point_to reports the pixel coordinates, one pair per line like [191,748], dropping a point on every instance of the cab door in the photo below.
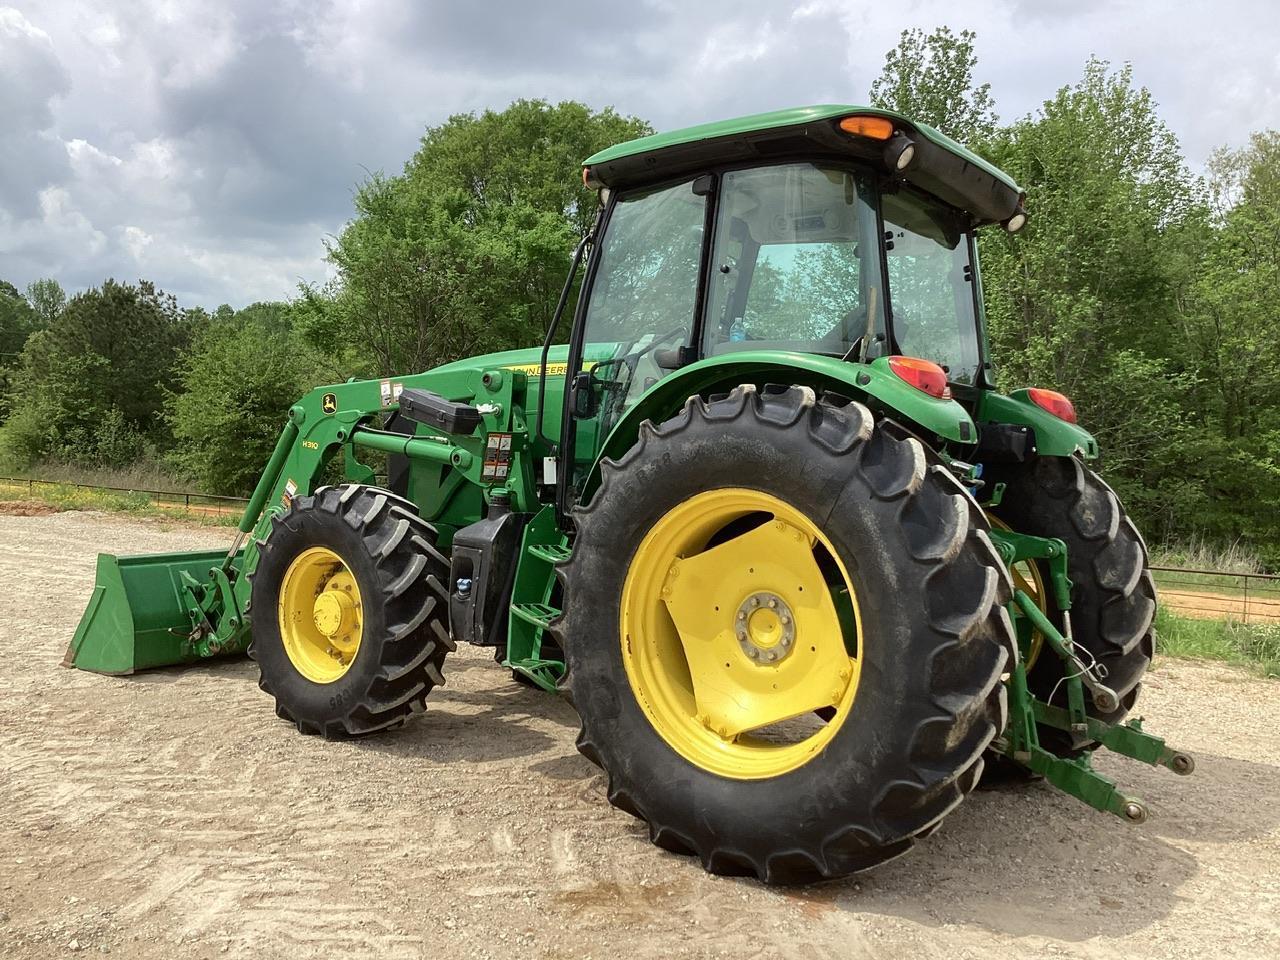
[636,324]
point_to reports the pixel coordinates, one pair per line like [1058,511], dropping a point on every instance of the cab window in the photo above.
[795,263]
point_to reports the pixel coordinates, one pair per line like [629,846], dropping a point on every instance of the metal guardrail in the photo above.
[191,502]
[1213,594]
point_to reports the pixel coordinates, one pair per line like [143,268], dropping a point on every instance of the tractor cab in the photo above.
[840,232]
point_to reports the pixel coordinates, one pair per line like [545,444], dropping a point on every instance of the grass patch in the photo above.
[65,497]
[1200,555]
[1255,645]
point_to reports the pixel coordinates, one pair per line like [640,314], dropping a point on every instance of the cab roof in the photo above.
[942,167]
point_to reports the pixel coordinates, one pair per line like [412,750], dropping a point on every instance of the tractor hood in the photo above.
[940,167]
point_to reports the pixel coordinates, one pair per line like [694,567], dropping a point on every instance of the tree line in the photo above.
[1143,290]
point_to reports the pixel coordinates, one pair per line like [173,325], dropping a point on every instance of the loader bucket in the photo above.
[138,614]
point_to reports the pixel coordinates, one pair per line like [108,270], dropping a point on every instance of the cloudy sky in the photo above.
[212,145]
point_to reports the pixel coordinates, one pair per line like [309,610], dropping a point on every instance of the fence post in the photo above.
[1245,578]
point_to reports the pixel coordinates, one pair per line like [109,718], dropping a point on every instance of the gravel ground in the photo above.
[171,815]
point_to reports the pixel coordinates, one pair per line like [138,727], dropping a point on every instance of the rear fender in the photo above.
[873,383]
[1054,437]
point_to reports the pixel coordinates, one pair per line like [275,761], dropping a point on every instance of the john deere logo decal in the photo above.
[329,403]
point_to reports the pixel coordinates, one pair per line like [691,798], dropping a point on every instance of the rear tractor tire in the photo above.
[348,611]
[785,634]
[1113,595]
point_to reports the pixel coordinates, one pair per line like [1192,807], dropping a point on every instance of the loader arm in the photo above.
[149,611]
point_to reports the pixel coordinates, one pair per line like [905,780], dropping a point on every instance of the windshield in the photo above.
[788,265]
[931,284]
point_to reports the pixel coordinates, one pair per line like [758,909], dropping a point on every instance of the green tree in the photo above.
[17,322]
[467,249]
[1231,329]
[929,77]
[91,385]
[47,299]
[1086,299]
[235,385]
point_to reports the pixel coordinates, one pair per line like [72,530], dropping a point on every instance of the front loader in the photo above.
[765,518]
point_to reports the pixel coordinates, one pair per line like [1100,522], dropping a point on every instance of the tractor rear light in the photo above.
[1053,402]
[875,128]
[923,375]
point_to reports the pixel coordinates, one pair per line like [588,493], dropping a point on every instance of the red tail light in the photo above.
[923,375]
[1054,402]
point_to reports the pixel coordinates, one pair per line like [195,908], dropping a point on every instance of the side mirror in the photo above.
[674,359]
[582,396]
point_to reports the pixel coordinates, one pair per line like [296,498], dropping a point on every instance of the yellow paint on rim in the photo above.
[1027,578]
[730,627]
[321,615]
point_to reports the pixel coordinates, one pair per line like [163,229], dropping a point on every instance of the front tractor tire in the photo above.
[349,611]
[785,635]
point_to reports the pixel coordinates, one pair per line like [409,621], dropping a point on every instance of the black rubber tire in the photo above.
[1113,595]
[391,552]
[931,589]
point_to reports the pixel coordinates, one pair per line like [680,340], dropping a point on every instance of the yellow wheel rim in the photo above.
[740,634]
[321,616]
[1027,578]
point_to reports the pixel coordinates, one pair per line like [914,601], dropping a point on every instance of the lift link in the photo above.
[1021,741]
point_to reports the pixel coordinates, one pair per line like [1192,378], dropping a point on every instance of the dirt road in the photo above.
[1212,606]
[170,815]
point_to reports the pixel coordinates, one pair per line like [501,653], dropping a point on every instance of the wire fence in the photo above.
[1215,595]
[202,503]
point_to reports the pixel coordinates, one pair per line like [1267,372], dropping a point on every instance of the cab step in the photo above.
[550,552]
[538,614]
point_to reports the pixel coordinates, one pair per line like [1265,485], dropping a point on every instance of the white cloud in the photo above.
[136,241]
[212,146]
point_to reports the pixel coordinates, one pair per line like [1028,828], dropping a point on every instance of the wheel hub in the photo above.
[333,613]
[731,630]
[320,615]
[766,628]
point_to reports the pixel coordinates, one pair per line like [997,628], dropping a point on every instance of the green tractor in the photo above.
[764,519]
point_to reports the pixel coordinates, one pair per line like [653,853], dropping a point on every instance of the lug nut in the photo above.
[773,604]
